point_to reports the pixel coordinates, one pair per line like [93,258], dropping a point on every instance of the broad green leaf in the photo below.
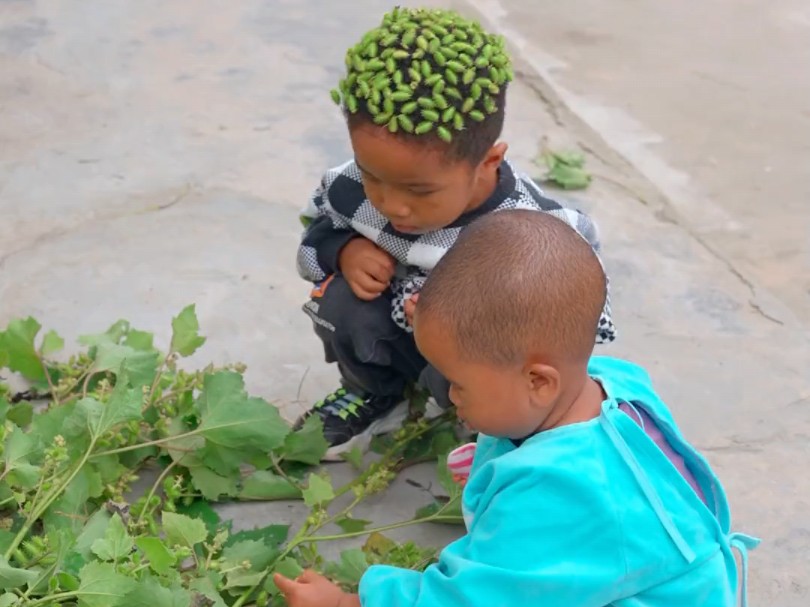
[116,543]
[139,340]
[264,485]
[18,450]
[570,178]
[306,445]
[318,491]
[183,530]
[93,530]
[379,545]
[211,484]
[233,421]
[123,406]
[289,568]
[70,510]
[202,510]
[51,343]
[6,539]
[18,342]
[185,332]
[55,422]
[259,554]
[352,525]
[11,577]
[112,335]
[206,587]
[149,593]
[139,366]
[574,159]
[100,585]
[272,535]
[160,559]
[4,405]
[67,582]
[354,457]
[8,599]
[242,578]
[350,569]
[21,414]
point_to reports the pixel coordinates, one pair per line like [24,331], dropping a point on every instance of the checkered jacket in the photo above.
[339,210]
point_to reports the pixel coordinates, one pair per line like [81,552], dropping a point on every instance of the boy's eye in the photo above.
[422,192]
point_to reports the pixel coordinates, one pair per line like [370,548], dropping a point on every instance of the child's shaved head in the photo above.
[518,283]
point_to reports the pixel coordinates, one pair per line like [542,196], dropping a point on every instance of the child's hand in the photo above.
[367,268]
[410,307]
[313,590]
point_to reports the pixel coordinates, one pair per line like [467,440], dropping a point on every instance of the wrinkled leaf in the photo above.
[8,599]
[18,449]
[306,445]
[149,593]
[265,485]
[18,342]
[11,577]
[70,510]
[112,335]
[185,332]
[116,543]
[100,585]
[570,178]
[318,491]
[160,559]
[183,530]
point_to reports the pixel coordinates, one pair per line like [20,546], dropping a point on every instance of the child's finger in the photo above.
[309,576]
[286,585]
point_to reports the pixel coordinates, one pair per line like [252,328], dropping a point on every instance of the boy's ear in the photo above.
[494,156]
[544,384]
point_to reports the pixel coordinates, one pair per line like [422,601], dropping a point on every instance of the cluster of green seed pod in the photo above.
[425,70]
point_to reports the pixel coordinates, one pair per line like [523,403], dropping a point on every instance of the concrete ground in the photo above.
[154,154]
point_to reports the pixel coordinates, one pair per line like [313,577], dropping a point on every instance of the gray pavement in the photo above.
[154,154]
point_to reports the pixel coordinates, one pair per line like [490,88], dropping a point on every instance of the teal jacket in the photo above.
[586,515]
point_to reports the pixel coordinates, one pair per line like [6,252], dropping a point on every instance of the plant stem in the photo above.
[38,511]
[54,395]
[154,488]
[158,377]
[58,598]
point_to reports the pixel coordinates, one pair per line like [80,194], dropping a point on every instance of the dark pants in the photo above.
[374,355]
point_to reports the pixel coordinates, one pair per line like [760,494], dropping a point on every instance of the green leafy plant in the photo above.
[565,169]
[73,444]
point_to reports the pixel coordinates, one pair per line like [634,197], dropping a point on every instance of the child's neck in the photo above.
[584,404]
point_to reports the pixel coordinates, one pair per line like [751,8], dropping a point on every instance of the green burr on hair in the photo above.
[425,71]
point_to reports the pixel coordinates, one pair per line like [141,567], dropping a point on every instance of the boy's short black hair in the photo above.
[518,283]
[429,75]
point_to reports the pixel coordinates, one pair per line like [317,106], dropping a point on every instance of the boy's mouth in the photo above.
[405,229]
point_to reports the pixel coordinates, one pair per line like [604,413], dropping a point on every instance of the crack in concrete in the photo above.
[64,230]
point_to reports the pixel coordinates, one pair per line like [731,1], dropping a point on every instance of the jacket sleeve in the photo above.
[325,234]
[561,550]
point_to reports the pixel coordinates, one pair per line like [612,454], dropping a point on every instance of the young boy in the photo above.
[583,492]
[424,99]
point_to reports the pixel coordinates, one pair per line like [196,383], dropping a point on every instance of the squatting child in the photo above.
[424,99]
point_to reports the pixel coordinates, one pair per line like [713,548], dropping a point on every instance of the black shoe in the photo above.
[351,421]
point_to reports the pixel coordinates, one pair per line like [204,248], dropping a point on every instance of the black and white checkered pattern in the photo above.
[339,209]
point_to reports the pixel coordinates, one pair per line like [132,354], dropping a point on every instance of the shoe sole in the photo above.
[393,420]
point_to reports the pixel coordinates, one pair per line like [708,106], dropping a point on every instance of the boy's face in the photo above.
[414,186]
[496,400]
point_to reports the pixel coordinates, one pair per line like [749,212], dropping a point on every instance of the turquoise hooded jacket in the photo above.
[586,515]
